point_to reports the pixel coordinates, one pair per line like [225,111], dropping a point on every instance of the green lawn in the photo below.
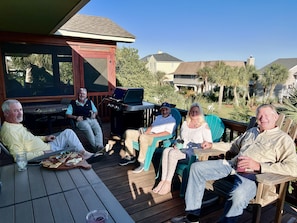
[226,111]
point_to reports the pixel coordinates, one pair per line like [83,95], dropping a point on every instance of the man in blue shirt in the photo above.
[163,125]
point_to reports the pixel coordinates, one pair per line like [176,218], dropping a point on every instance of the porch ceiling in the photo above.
[37,16]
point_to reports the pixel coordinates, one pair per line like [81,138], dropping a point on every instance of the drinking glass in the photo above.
[21,160]
[97,216]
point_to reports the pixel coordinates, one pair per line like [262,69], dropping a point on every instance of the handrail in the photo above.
[232,128]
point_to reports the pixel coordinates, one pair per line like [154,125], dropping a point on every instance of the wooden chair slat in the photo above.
[280,120]
[287,125]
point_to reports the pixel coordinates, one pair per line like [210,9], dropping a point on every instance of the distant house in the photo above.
[162,62]
[282,90]
[186,74]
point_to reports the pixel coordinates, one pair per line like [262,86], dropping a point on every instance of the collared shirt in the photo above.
[273,149]
[17,138]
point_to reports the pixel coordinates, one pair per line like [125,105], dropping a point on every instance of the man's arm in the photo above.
[148,131]
[287,159]
[69,113]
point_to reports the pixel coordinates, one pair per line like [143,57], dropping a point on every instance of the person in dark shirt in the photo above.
[84,112]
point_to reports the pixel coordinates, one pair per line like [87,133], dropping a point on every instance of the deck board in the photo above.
[134,192]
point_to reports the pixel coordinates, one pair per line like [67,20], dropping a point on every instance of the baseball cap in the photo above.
[165,105]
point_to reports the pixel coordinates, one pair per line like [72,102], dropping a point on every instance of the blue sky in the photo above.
[196,30]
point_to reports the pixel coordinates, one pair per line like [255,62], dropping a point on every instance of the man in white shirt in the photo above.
[163,125]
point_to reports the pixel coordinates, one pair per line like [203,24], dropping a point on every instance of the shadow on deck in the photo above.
[134,192]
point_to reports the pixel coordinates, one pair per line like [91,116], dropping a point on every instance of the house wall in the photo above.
[167,67]
[163,66]
[188,81]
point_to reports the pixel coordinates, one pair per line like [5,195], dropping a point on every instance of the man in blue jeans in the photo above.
[262,149]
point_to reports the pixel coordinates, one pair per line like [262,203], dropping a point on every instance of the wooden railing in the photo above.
[232,128]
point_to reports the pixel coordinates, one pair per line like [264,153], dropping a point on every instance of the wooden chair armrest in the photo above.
[273,179]
[204,154]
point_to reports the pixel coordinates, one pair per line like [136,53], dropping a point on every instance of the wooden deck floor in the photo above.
[134,192]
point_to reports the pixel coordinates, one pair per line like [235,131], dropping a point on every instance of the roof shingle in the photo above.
[193,67]
[95,25]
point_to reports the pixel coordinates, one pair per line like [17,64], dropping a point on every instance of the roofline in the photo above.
[70,14]
[61,32]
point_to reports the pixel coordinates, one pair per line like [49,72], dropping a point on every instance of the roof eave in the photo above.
[94,36]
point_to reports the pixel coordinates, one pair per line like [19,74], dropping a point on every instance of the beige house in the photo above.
[186,73]
[162,62]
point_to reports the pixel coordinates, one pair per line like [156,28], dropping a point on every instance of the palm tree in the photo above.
[290,105]
[204,73]
[235,75]
[273,75]
[221,75]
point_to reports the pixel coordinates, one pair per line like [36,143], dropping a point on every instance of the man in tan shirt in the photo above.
[262,149]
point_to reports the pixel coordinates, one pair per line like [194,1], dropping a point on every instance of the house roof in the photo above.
[288,63]
[193,67]
[36,16]
[94,27]
[162,57]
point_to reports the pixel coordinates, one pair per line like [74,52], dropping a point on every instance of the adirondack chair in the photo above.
[264,180]
[217,129]
[5,156]
[155,144]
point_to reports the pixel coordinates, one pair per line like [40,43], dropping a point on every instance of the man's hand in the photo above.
[93,115]
[244,162]
[206,145]
[50,138]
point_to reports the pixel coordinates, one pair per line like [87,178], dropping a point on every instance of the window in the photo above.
[37,70]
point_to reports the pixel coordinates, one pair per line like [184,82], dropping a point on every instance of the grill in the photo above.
[127,109]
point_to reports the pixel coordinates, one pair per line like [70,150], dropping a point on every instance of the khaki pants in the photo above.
[144,140]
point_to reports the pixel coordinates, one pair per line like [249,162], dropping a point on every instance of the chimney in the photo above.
[160,52]
[250,61]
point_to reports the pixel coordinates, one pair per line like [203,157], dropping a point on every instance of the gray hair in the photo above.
[6,104]
[83,89]
[272,107]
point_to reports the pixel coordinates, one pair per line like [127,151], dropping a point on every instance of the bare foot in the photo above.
[158,187]
[166,188]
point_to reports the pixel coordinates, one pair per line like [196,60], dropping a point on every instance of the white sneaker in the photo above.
[139,169]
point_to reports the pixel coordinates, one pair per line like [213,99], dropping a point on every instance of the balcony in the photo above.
[134,191]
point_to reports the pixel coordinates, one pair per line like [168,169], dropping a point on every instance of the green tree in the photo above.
[204,72]
[160,77]
[221,76]
[273,75]
[290,105]
[131,71]
[240,77]
[252,76]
